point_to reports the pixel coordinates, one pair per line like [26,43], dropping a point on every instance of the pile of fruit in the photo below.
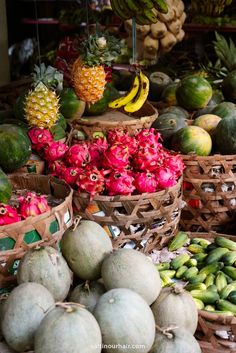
[115,301]
[208,7]
[117,164]
[209,268]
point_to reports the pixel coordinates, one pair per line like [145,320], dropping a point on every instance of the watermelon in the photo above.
[176,110]
[225,135]
[193,92]
[70,106]
[5,188]
[229,86]
[169,94]
[208,122]
[158,82]
[225,109]
[192,140]
[203,111]
[15,148]
[167,124]
[217,97]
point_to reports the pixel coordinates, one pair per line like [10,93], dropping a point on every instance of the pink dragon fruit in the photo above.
[8,215]
[54,151]
[119,183]
[91,181]
[146,159]
[77,155]
[39,137]
[96,149]
[116,157]
[70,175]
[149,137]
[122,137]
[145,182]
[165,177]
[175,163]
[32,205]
[56,168]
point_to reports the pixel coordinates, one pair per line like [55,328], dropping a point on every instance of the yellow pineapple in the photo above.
[41,103]
[88,74]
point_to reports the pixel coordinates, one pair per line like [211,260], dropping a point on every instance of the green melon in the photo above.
[203,111]
[176,110]
[224,109]
[193,92]
[47,267]
[5,188]
[217,97]
[68,328]
[126,268]
[169,94]
[70,106]
[167,124]
[15,148]
[229,86]
[208,122]
[175,306]
[125,320]
[225,135]
[192,140]
[87,294]
[158,82]
[24,310]
[85,249]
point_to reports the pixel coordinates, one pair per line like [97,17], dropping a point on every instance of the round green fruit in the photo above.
[15,148]
[158,82]
[70,106]
[169,94]
[176,110]
[167,124]
[225,135]
[193,92]
[5,188]
[224,109]
[208,122]
[192,140]
[203,111]
[229,86]
[217,97]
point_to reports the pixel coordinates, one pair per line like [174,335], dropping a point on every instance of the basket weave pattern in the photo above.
[213,182]
[38,227]
[155,216]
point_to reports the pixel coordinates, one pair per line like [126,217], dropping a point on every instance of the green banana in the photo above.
[124,15]
[161,6]
[148,4]
[150,15]
[132,6]
[141,96]
[119,102]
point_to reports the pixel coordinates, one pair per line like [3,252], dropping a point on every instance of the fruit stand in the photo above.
[118,188]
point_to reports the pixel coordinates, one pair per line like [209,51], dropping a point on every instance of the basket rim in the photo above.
[116,198]
[214,157]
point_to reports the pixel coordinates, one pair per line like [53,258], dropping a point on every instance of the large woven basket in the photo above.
[141,221]
[212,181]
[115,119]
[45,229]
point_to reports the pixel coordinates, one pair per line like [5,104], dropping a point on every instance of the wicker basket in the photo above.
[45,229]
[114,119]
[138,221]
[212,181]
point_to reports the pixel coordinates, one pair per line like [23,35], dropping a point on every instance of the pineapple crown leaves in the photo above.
[226,52]
[49,76]
[100,49]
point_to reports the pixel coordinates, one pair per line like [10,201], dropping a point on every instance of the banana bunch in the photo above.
[209,7]
[143,10]
[135,98]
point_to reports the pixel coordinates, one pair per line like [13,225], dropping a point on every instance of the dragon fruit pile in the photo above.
[30,204]
[116,165]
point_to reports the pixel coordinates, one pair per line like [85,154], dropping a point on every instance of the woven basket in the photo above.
[115,119]
[140,220]
[213,182]
[46,229]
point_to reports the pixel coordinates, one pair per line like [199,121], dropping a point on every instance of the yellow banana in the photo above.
[119,102]
[141,96]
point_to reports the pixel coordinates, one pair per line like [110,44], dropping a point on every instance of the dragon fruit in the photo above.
[145,182]
[91,181]
[8,214]
[122,137]
[70,175]
[96,149]
[39,137]
[57,167]
[77,155]
[146,159]
[54,151]
[175,163]
[116,157]
[32,205]
[165,177]
[149,137]
[120,183]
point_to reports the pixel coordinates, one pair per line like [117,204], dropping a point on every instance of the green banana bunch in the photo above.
[142,10]
[210,7]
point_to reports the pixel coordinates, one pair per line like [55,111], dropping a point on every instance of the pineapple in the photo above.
[42,104]
[88,73]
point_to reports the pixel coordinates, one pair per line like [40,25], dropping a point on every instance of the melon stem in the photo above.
[166,331]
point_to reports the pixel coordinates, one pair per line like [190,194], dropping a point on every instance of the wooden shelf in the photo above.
[197,27]
[40,21]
